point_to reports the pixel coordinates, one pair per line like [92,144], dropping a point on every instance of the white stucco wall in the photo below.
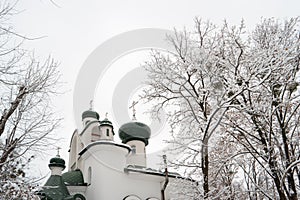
[107,160]
[109,181]
[104,136]
[139,157]
[86,133]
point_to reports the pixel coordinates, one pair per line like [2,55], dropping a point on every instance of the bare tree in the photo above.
[26,117]
[224,85]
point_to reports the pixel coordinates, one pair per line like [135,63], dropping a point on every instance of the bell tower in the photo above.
[106,129]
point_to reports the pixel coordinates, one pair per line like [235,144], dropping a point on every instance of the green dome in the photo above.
[106,122]
[90,113]
[134,131]
[57,162]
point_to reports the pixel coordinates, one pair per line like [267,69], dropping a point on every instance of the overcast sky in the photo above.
[74,28]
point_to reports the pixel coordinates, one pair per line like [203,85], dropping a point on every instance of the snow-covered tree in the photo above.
[15,184]
[195,82]
[26,116]
[267,116]
[232,97]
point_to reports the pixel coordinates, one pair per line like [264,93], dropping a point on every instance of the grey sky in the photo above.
[75,28]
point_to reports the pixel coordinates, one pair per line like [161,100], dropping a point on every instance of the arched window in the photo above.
[133,149]
[89,176]
[107,132]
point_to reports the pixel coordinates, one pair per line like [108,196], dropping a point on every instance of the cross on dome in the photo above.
[91,105]
[133,110]
[58,148]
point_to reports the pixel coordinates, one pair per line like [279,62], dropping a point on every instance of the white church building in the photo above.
[102,169]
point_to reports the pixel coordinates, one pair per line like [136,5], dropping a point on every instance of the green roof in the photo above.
[73,178]
[55,189]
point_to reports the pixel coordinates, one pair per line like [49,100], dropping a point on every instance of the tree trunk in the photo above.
[276,179]
[8,150]
[204,163]
[291,182]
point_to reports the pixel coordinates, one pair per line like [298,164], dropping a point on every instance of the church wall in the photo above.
[108,179]
[73,151]
[86,136]
[111,183]
[137,156]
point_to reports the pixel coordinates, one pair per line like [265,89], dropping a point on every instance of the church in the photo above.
[100,168]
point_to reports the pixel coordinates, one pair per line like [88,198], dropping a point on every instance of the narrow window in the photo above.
[89,175]
[107,132]
[133,148]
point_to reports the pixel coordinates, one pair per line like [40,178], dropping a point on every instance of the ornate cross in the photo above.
[133,109]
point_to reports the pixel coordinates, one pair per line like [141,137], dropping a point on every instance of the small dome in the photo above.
[134,131]
[90,113]
[106,122]
[57,162]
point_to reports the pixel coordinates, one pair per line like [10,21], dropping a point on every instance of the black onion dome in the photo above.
[57,162]
[134,131]
[90,113]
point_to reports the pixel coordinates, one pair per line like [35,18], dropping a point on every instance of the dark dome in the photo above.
[106,122]
[57,162]
[90,113]
[134,131]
